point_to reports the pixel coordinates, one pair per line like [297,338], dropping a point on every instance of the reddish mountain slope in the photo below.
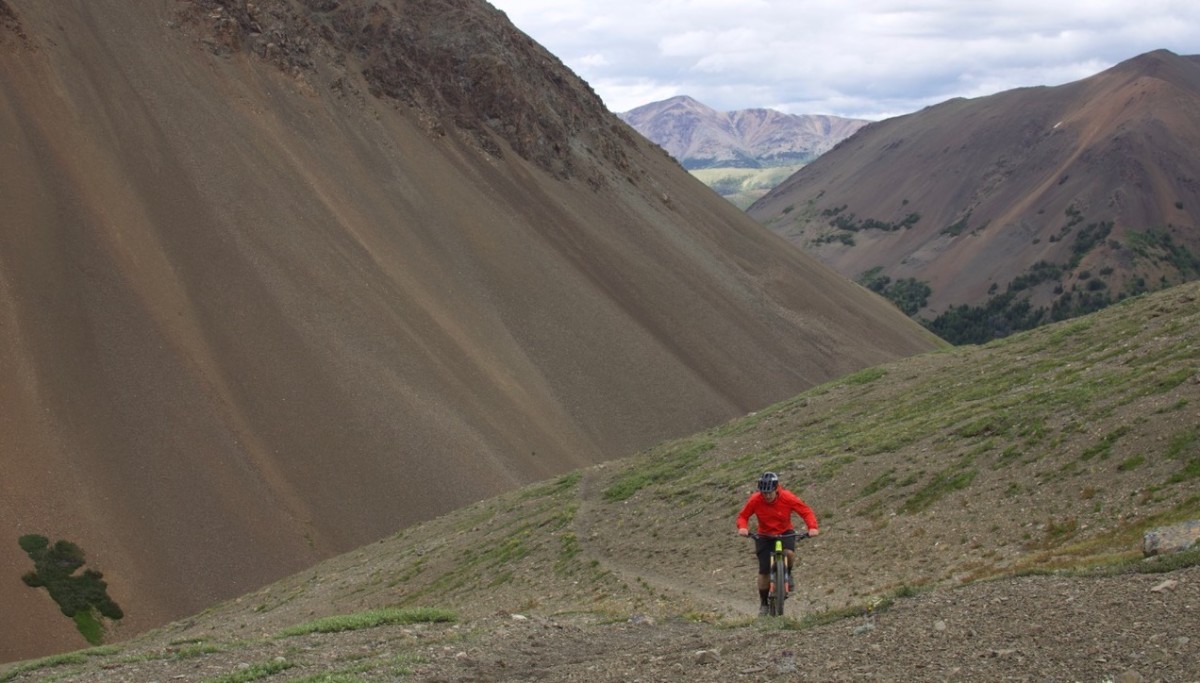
[277,279]
[1097,180]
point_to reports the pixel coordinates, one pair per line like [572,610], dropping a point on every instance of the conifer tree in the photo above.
[83,598]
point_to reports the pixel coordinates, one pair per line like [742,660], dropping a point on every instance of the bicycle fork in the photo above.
[780,556]
[779,580]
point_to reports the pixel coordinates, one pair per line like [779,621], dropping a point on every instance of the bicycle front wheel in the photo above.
[780,580]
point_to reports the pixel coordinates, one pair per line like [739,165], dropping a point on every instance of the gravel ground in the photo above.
[1127,628]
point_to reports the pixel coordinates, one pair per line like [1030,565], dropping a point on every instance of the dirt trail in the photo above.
[656,575]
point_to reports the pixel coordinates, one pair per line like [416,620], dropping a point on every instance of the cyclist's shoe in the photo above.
[789,585]
[763,610]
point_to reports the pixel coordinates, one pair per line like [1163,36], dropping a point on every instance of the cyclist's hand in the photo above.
[743,532]
[814,532]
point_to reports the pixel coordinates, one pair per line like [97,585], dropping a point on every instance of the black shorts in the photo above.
[764,546]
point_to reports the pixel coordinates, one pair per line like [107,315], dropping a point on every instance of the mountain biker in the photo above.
[773,505]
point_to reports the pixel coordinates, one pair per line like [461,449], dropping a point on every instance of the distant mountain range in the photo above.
[999,213]
[740,154]
[699,136]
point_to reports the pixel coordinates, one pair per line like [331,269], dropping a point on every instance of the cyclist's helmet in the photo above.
[768,482]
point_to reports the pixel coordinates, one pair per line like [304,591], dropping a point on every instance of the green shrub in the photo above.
[82,598]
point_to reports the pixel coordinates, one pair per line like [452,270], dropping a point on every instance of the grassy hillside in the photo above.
[743,186]
[1047,451]
[1058,447]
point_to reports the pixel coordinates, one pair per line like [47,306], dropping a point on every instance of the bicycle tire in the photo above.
[780,586]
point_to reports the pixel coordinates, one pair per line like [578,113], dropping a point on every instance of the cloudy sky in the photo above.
[857,58]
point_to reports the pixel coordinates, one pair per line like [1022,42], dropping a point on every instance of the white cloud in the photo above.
[594,61]
[868,58]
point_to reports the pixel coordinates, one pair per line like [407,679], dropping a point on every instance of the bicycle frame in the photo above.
[779,573]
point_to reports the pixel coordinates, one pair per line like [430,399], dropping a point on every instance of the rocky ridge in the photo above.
[485,76]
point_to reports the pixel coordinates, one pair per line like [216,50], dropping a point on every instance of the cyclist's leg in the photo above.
[763,548]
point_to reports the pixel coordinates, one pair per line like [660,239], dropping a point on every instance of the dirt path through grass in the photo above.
[670,577]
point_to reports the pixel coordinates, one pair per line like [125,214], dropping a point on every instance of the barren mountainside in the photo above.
[701,137]
[1042,201]
[280,278]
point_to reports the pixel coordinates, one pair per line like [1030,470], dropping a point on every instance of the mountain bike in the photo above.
[779,588]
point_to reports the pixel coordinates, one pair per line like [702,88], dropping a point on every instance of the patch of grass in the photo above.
[88,624]
[1056,532]
[701,617]
[829,469]
[568,551]
[1173,379]
[1104,447]
[1007,457]
[1178,405]
[397,666]
[1069,331]
[1166,563]
[1185,446]
[1181,443]
[984,425]
[664,468]
[1131,463]
[417,567]
[334,677]
[254,672]
[946,482]
[500,579]
[881,482]
[565,483]
[60,660]
[371,619]
[864,376]
[508,550]
[1189,472]
[879,604]
[195,649]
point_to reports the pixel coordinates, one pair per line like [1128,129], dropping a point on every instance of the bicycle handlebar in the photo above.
[794,534]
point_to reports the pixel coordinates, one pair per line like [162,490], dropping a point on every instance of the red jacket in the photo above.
[775,518]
